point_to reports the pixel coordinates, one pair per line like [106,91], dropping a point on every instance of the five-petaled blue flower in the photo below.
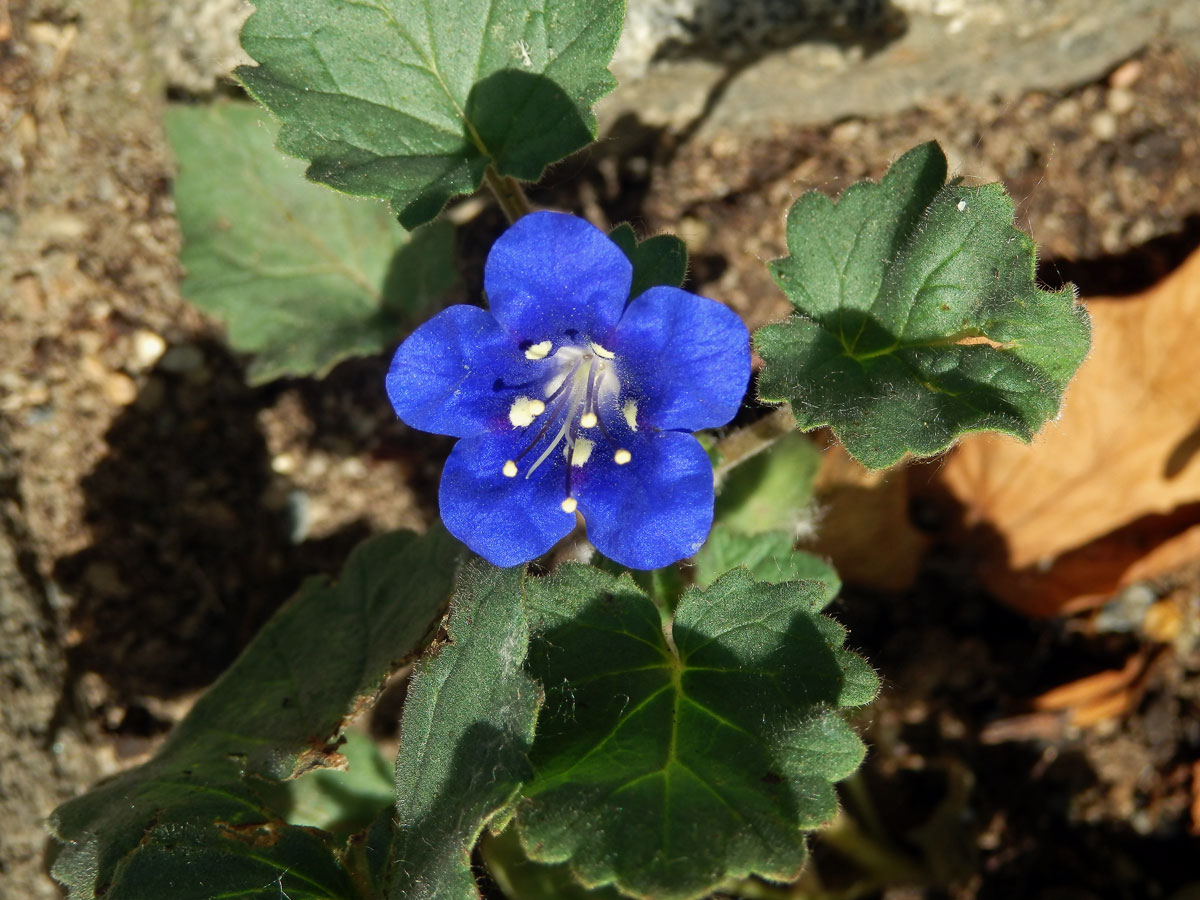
[566,396]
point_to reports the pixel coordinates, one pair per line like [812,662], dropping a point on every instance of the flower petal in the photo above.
[653,510]
[686,358]
[457,374]
[553,277]
[507,521]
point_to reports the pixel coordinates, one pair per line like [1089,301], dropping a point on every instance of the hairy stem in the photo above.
[740,445]
[508,193]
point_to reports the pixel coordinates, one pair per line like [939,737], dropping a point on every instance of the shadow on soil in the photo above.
[192,543]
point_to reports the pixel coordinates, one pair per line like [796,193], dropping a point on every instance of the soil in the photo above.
[167,508]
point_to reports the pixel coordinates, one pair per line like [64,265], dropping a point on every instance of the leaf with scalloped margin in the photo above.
[917,316]
[411,101]
[664,768]
[191,824]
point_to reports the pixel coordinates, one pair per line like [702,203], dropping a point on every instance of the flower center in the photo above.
[580,394]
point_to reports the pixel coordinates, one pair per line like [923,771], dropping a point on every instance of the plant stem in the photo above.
[882,862]
[740,445]
[508,193]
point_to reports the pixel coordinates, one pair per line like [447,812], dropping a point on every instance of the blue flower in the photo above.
[567,396]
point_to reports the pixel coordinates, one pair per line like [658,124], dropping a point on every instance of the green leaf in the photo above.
[772,490]
[658,260]
[673,755]
[520,877]
[190,823]
[341,801]
[468,723]
[303,277]
[769,556]
[918,318]
[412,100]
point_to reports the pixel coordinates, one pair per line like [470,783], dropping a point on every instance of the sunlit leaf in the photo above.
[917,316]
[412,100]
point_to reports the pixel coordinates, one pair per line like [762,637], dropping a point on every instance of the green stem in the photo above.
[740,445]
[881,862]
[508,193]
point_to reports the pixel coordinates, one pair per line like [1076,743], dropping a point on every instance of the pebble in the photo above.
[1104,126]
[1120,101]
[148,348]
[1126,74]
[284,464]
[119,388]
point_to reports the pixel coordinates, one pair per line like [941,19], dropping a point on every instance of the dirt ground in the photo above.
[167,508]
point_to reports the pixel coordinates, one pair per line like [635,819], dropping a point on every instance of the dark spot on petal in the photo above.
[772,778]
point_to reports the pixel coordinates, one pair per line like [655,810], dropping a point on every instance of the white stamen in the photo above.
[588,420]
[538,351]
[524,410]
[510,469]
[630,411]
[569,505]
[601,352]
[582,451]
[622,456]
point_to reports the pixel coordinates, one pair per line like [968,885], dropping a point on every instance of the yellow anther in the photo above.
[622,456]
[569,505]
[524,410]
[510,469]
[538,351]
[588,420]
[601,352]
[630,412]
[582,451]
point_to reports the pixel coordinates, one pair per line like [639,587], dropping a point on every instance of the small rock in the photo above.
[119,388]
[845,133]
[1126,74]
[284,464]
[1120,101]
[148,348]
[1104,126]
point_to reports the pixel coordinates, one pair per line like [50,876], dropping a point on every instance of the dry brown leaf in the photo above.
[1110,492]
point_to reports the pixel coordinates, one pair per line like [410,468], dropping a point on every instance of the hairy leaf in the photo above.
[190,823]
[340,801]
[303,277]
[467,725]
[917,316]
[412,100]
[769,555]
[673,754]
[657,260]
[770,491]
